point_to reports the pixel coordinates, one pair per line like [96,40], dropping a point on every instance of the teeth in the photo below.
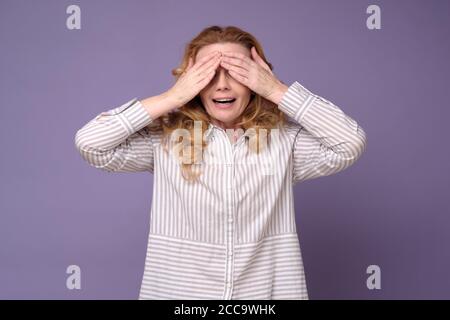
[224,100]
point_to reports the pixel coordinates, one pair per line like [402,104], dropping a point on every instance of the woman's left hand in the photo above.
[254,74]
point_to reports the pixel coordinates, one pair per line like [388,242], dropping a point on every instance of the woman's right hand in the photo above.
[195,78]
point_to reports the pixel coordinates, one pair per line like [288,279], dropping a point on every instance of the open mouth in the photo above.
[224,103]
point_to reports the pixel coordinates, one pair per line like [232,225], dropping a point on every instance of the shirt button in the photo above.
[230,253]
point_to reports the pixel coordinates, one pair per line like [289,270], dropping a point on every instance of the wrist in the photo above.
[279,93]
[158,105]
[172,100]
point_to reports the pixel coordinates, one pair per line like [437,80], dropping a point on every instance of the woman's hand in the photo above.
[254,74]
[194,78]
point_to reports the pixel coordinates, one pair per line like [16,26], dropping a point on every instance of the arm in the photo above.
[328,140]
[118,140]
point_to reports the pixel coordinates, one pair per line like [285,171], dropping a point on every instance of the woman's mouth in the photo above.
[224,103]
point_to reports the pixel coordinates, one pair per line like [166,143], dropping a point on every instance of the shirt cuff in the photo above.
[296,101]
[132,115]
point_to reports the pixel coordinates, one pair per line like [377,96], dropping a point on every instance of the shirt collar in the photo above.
[209,133]
[209,130]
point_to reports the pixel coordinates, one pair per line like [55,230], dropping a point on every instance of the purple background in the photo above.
[390,208]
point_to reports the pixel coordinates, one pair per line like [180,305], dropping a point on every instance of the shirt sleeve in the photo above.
[328,140]
[117,140]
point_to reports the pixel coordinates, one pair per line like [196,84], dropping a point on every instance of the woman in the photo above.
[222,217]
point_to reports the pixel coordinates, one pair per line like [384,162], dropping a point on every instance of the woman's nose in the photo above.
[221,72]
[220,68]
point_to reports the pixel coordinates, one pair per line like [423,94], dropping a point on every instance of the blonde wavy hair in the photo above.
[259,114]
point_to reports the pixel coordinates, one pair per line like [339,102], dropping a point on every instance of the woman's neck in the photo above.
[224,125]
[235,132]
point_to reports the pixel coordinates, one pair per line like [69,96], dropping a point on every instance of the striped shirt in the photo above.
[232,234]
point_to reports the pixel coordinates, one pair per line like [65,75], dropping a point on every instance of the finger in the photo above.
[205,59]
[237,62]
[235,71]
[207,79]
[206,66]
[212,64]
[235,68]
[260,60]
[239,77]
[238,59]
[208,71]
[256,56]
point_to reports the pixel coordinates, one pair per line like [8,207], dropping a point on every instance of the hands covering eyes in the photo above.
[253,73]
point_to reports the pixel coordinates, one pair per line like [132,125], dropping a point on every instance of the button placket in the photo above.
[229,168]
